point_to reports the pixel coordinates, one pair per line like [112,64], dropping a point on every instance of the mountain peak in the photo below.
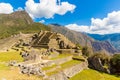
[15,18]
[55,24]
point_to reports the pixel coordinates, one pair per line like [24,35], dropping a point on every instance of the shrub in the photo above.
[87,51]
[115,63]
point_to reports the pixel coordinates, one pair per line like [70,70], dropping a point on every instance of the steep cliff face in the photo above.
[84,40]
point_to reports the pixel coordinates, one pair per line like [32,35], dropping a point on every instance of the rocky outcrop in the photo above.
[97,64]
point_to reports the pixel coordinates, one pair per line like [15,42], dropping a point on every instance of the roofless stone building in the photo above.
[47,39]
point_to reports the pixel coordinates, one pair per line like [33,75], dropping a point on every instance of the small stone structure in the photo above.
[30,55]
[25,69]
[47,39]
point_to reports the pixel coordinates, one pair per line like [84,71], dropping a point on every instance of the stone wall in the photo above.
[46,39]
[58,61]
[69,72]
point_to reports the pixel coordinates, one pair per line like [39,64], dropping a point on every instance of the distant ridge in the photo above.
[55,24]
[114,39]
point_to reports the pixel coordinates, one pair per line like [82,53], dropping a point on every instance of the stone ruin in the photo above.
[31,70]
[40,49]
[34,61]
[47,39]
[35,55]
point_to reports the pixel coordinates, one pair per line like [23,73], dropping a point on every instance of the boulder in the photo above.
[97,64]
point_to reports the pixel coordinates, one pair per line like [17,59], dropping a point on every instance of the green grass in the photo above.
[61,56]
[53,72]
[12,73]
[10,55]
[69,64]
[49,67]
[93,75]
[10,25]
[3,67]
[5,57]
[81,58]
[62,67]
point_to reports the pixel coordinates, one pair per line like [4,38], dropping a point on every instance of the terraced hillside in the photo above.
[12,73]
[7,43]
[63,64]
[66,66]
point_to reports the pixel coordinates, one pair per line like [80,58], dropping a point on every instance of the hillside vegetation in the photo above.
[12,73]
[16,22]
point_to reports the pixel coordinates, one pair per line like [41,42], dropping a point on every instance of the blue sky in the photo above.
[86,12]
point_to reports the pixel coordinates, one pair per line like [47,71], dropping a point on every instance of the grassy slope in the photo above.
[61,56]
[18,22]
[5,57]
[11,55]
[93,75]
[31,28]
[62,67]
[12,73]
[70,63]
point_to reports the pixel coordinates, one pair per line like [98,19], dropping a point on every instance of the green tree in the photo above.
[87,51]
[115,63]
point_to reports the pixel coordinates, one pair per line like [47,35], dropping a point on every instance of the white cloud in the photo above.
[42,21]
[108,25]
[76,27]
[6,8]
[19,9]
[48,8]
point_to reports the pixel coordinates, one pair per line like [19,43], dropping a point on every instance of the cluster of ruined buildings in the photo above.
[46,42]
[47,39]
